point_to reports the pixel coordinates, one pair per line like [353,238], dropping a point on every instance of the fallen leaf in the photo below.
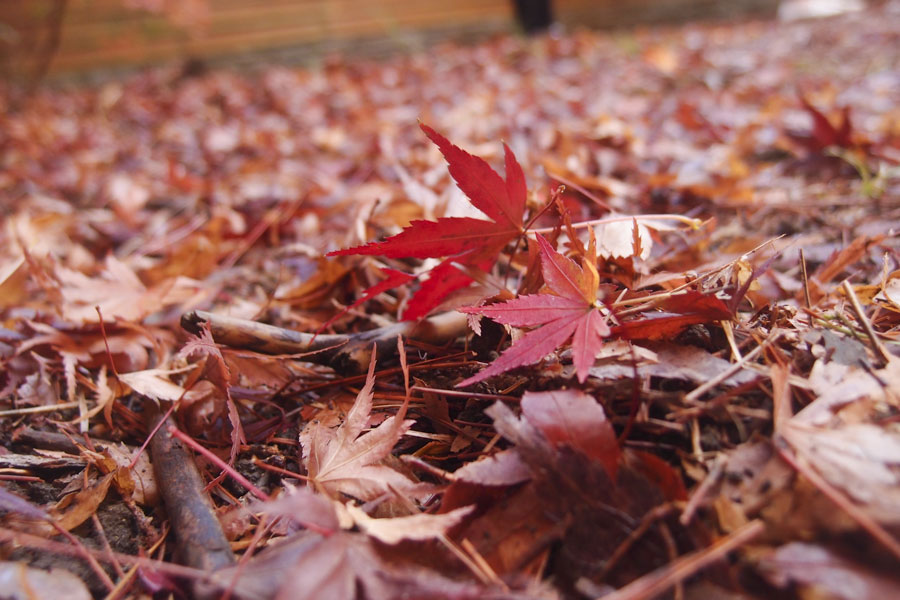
[341,566]
[346,460]
[154,383]
[502,468]
[575,419]
[418,527]
[470,241]
[570,310]
[861,459]
[19,582]
[82,505]
[671,361]
[681,311]
[821,572]
[305,507]
[622,239]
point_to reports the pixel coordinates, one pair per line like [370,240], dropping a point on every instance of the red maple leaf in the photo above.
[465,240]
[570,310]
[824,133]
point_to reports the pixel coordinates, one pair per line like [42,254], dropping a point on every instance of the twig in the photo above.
[35,541]
[218,462]
[652,516]
[37,409]
[690,222]
[695,395]
[654,583]
[201,541]
[83,552]
[49,440]
[712,478]
[55,18]
[879,348]
[805,277]
[457,393]
[593,197]
[345,353]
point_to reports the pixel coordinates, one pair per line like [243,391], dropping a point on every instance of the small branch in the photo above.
[877,346]
[658,581]
[201,542]
[218,462]
[694,396]
[805,279]
[67,549]
[711,479]
[349,353]
[690,222]
[48,440]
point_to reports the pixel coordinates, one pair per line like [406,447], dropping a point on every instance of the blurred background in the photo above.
[40,38]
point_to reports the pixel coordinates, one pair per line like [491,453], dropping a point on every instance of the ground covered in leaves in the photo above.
[701,403]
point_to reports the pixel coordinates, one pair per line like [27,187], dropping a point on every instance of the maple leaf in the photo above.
[469,241]
[825,134]
[575,419]
[217,371]
[309,566]
[345,460]
[571,310]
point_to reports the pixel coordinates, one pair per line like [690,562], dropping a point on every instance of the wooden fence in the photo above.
[108,34]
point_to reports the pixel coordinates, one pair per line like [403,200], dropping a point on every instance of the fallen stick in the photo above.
[347,353]
[198,533]
[656,582]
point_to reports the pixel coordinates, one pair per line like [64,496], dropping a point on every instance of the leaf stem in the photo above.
[689,221]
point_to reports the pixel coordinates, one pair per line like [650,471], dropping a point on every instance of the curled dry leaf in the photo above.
[146,492]
[673,361]
[418,527]
[72,512]
[346,460]
[304,507]
[154,383]
[502,468]
[341,566]
[618,239]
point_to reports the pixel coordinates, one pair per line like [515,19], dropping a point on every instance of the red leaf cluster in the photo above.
[464,240]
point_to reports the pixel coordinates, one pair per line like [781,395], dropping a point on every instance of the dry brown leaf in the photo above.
[418,527]
[502,468]
[145,490]
[346,460]
[616,239]
[861,459]
[82,505]
[154,383]
[341,566]
[19,582]
[823,573]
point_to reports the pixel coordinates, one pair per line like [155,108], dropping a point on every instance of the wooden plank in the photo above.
[84,13]
[330,15]
[266,39]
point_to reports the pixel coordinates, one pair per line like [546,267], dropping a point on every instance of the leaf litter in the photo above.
[686,323]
